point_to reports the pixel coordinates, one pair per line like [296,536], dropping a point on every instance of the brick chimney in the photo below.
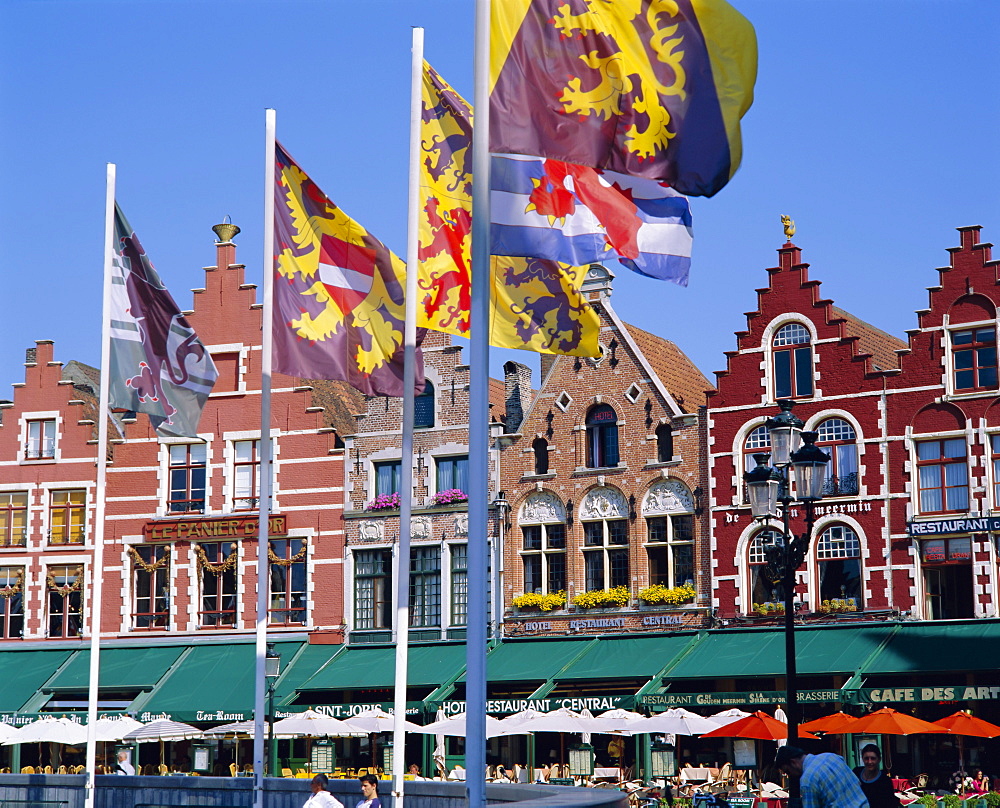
[517,390]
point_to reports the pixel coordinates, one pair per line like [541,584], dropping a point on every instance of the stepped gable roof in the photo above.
[871,340]
[676,371]
[341,401]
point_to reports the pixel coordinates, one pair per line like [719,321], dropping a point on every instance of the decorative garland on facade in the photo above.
[16,588]
[76,586]
[286,562]
[142,564]
[216,568]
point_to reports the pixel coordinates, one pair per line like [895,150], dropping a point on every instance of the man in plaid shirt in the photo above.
[825,780]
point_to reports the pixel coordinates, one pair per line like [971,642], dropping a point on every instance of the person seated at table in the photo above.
[875,781]
[414,772]
[980,783]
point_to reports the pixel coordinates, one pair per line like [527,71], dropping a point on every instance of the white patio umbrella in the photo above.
[235,729]
[378,720]
[6,732]
[620,721]
[50,730]
[114,728]
[674,721]
[561,720]
[311,724]
[455,725]
[163,730]
[727,717]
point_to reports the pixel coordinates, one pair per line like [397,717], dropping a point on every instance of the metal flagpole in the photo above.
[406,464]
[479,361]
[97,563]
[260,685]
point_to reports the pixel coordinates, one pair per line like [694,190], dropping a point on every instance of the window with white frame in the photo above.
[41,443]
[13,518]
[605,554]
[974,358]
[151,583]
[763,586]
[837,438]
[791,357]
[218,563]
[388,474]
[757,442]
[11,602]
[372,589]
[838,560]
[187,477]
[425,586]
[670,549]
[67,516]
[65,600]
[287,568]
[246,475]
[459,578]
[542,519]
[943,476]
[452,473]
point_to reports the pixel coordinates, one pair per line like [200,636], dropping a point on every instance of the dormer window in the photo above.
[423,407]
[41,443]
[791,355]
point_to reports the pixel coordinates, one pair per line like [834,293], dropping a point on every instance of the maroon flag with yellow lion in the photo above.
[338,292]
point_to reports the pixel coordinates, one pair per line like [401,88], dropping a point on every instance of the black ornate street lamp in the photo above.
[771,497]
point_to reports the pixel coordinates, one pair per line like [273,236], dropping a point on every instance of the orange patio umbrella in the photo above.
[890,722]
[836,723]
[961,723]
[756,725]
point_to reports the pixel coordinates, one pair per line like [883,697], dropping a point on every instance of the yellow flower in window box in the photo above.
[543,603]
[659,595]
[595,599]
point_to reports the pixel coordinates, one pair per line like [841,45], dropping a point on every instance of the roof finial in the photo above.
[789,224]
[225,231]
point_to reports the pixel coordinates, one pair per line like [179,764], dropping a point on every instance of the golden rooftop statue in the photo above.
[789,224]
[226,231]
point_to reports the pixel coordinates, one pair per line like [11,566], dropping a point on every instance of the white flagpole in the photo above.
[479,361]
[97,562]
[265,465]
[406,465]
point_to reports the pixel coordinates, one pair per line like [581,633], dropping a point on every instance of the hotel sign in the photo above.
[941,527]
[212,528]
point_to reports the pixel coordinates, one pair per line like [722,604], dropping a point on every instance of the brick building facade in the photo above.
[910,430]
[180,533]
[605,478]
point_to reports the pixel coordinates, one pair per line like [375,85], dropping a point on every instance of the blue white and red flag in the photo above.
[576,214]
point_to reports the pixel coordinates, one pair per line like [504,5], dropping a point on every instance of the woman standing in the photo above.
[874,781]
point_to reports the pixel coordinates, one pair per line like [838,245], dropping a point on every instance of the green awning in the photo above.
[628,657]
[531,660]
[304,665]
[212,683]
[819,650]
[121,668]
[362,668]
[941,647]
[24,673]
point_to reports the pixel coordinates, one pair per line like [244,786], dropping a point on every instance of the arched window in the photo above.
[540,447]
[669,511]
[758,441]
[423,407]
[604,514]
[664,443]
[838,439]
[763,587]
[602,437]
[791,355]
[838,557]
[543,543]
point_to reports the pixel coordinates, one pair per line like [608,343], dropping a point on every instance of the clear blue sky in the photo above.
[875,127]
